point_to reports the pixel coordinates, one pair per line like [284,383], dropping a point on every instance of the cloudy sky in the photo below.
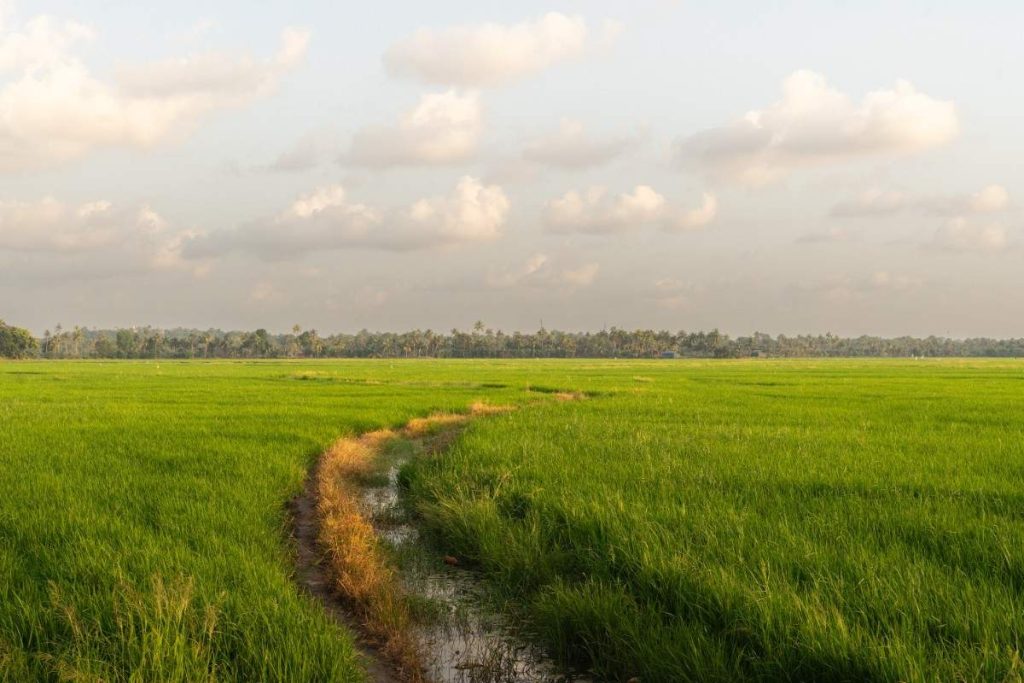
[783,167]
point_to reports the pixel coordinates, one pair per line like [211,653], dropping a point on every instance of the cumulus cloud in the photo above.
[125,237]
[595,211]
[971,221]
[473,212]
[327,219]
[573,147]
[41,42]
[443,128]
[541,272]
[212,79]
[490,54]
[967,234]
[694,219]
[53,109]
[514,276]
[815,124]
[877,202]
[990,199]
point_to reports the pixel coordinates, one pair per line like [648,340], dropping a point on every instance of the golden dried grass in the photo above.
[481,408]
[361,570]
[424,426]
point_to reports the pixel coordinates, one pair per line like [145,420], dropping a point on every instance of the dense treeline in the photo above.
[481,342]
[16,342]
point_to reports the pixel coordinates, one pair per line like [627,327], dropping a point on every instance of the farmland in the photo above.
[688,520]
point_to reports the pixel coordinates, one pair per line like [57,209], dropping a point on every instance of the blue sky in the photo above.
[785,167]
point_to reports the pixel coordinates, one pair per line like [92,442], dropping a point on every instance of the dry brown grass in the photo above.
[424,426]
[360,567]
[481,408]
[361,570]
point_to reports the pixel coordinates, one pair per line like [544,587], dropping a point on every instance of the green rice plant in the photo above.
[144,531]
[821,520]
[801,520]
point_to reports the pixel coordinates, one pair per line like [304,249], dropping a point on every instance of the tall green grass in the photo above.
[816,521]
[143,523]
[826,520]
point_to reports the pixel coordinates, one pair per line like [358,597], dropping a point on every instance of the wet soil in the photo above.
[463,636]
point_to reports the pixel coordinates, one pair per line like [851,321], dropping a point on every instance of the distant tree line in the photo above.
[480,342]
[16,342]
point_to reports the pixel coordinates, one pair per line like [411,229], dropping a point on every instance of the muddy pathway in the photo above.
[314,575]
[418,614]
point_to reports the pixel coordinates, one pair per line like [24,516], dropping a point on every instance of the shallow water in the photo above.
[462,640]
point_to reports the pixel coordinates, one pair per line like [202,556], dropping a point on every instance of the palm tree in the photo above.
[58,339]
[77,336]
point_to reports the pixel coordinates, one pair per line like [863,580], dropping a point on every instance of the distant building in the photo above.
[758,353]
[669,354]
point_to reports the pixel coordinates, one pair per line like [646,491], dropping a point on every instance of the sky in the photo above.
[784,167]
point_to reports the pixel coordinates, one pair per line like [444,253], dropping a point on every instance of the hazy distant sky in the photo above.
[784,167]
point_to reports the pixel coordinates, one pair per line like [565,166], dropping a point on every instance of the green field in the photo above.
[720,520]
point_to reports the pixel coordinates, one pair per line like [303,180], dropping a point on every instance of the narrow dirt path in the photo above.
[348,524]
[314,575]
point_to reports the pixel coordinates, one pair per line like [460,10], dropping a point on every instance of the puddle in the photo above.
[462,640]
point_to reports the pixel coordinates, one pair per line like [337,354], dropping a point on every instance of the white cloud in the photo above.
[572,147]
[595,211]
[878,202]
[54,110]
[133,238]
[514,276]
[443,128]
[212,79]
[539,271]
[491,54]
[969,222]
[990,199]
[694,219]
[327,219]
[965,234]
[41,42]
[332,199]
[815,124]
[473,212]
